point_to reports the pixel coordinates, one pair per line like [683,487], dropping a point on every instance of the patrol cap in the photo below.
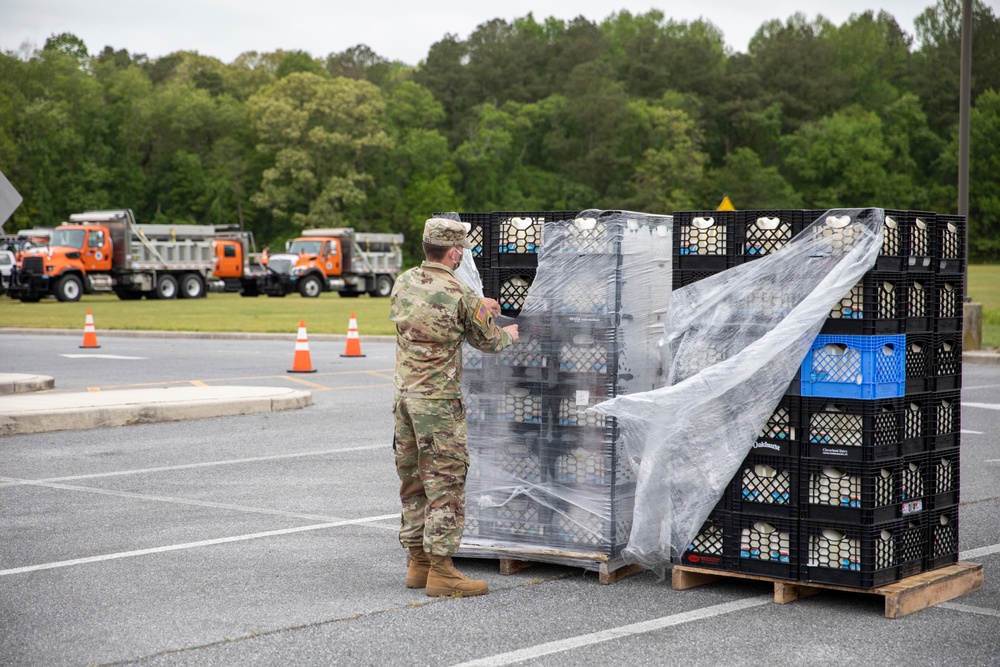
[447,233]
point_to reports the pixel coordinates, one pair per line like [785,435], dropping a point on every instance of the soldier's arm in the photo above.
[480,330]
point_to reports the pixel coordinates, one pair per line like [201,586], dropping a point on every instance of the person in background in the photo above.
[435,313]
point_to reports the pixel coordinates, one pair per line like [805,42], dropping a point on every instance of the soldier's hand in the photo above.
[512,330]
[493,306]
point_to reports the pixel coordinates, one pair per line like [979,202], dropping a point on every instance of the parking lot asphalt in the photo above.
[269,538]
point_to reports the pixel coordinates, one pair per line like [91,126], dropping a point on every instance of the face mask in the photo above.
[458,263]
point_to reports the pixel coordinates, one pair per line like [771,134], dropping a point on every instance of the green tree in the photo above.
[939,31]
[318,133]
[749,184]
[843,160]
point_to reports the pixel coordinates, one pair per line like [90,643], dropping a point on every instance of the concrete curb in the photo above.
[233,335]
[981,357]
[18,383]
[41,413]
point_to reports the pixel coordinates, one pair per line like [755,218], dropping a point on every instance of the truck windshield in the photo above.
[70,238]
[300,247]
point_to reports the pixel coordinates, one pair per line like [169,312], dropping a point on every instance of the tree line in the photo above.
[636,112]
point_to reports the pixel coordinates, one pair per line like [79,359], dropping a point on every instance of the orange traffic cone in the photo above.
[89,333]
[353,348]
[302,363]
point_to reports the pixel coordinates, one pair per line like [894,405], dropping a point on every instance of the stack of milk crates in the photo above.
[854,480]
[549,480]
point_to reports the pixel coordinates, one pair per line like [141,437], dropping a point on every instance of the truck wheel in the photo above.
[166,287]
[191,286]
[383,287]
[69,288]
[310,287]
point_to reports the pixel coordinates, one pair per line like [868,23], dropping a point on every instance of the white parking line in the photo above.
[99,356]
[191,545]
[972,554]
[175,500]
[208,464]
[969,609]
[972,432]
[985,406]
[579,641]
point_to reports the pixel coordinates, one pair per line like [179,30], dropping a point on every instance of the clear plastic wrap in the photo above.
[732,343]
[548,479]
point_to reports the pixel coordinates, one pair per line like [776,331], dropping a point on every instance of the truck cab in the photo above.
[64,268]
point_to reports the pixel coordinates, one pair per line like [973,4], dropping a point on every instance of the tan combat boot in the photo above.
[420,564]
[444,579]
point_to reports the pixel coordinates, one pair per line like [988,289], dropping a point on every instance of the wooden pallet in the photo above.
[901,598]
[517,559]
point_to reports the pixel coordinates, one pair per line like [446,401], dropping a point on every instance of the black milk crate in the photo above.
[919,362]
[914,233]
[578,462]
[918,424]
[592,522]
[706,240]
[918,302]
[862,556]
[513,459]
[582,351]
[520,233]
[766,485]
[511,287]
[481,227]
[949,302]
[874,306]
[947,370]
[950,248]
[841,429]
[901,250]
[766,545]
[518,406]
[568,406]
[529,360]
[712,545]
[766,231]
[682,278]
[942,537]
[864,493]
[946,417]
[517,518]
[585,235]
[782,433]
[945,474]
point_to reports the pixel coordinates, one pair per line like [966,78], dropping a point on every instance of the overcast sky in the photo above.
[395,29]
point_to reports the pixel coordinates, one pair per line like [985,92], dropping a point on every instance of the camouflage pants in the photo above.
[432,460]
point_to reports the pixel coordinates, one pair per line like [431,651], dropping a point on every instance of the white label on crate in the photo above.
[582,399]
[827,451]
[913,507]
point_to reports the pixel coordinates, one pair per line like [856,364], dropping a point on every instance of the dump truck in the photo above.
[106,251]
[330,260]
[236,257]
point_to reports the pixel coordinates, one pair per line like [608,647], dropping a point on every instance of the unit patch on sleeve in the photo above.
[481,313]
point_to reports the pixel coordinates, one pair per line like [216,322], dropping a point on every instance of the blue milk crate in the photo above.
[862,367]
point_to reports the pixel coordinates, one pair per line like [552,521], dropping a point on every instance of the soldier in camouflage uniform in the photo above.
[434,314]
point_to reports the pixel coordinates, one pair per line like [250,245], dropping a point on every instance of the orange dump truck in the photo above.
[330,260]
[106,251]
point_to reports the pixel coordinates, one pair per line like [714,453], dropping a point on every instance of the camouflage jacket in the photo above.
[434,313]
